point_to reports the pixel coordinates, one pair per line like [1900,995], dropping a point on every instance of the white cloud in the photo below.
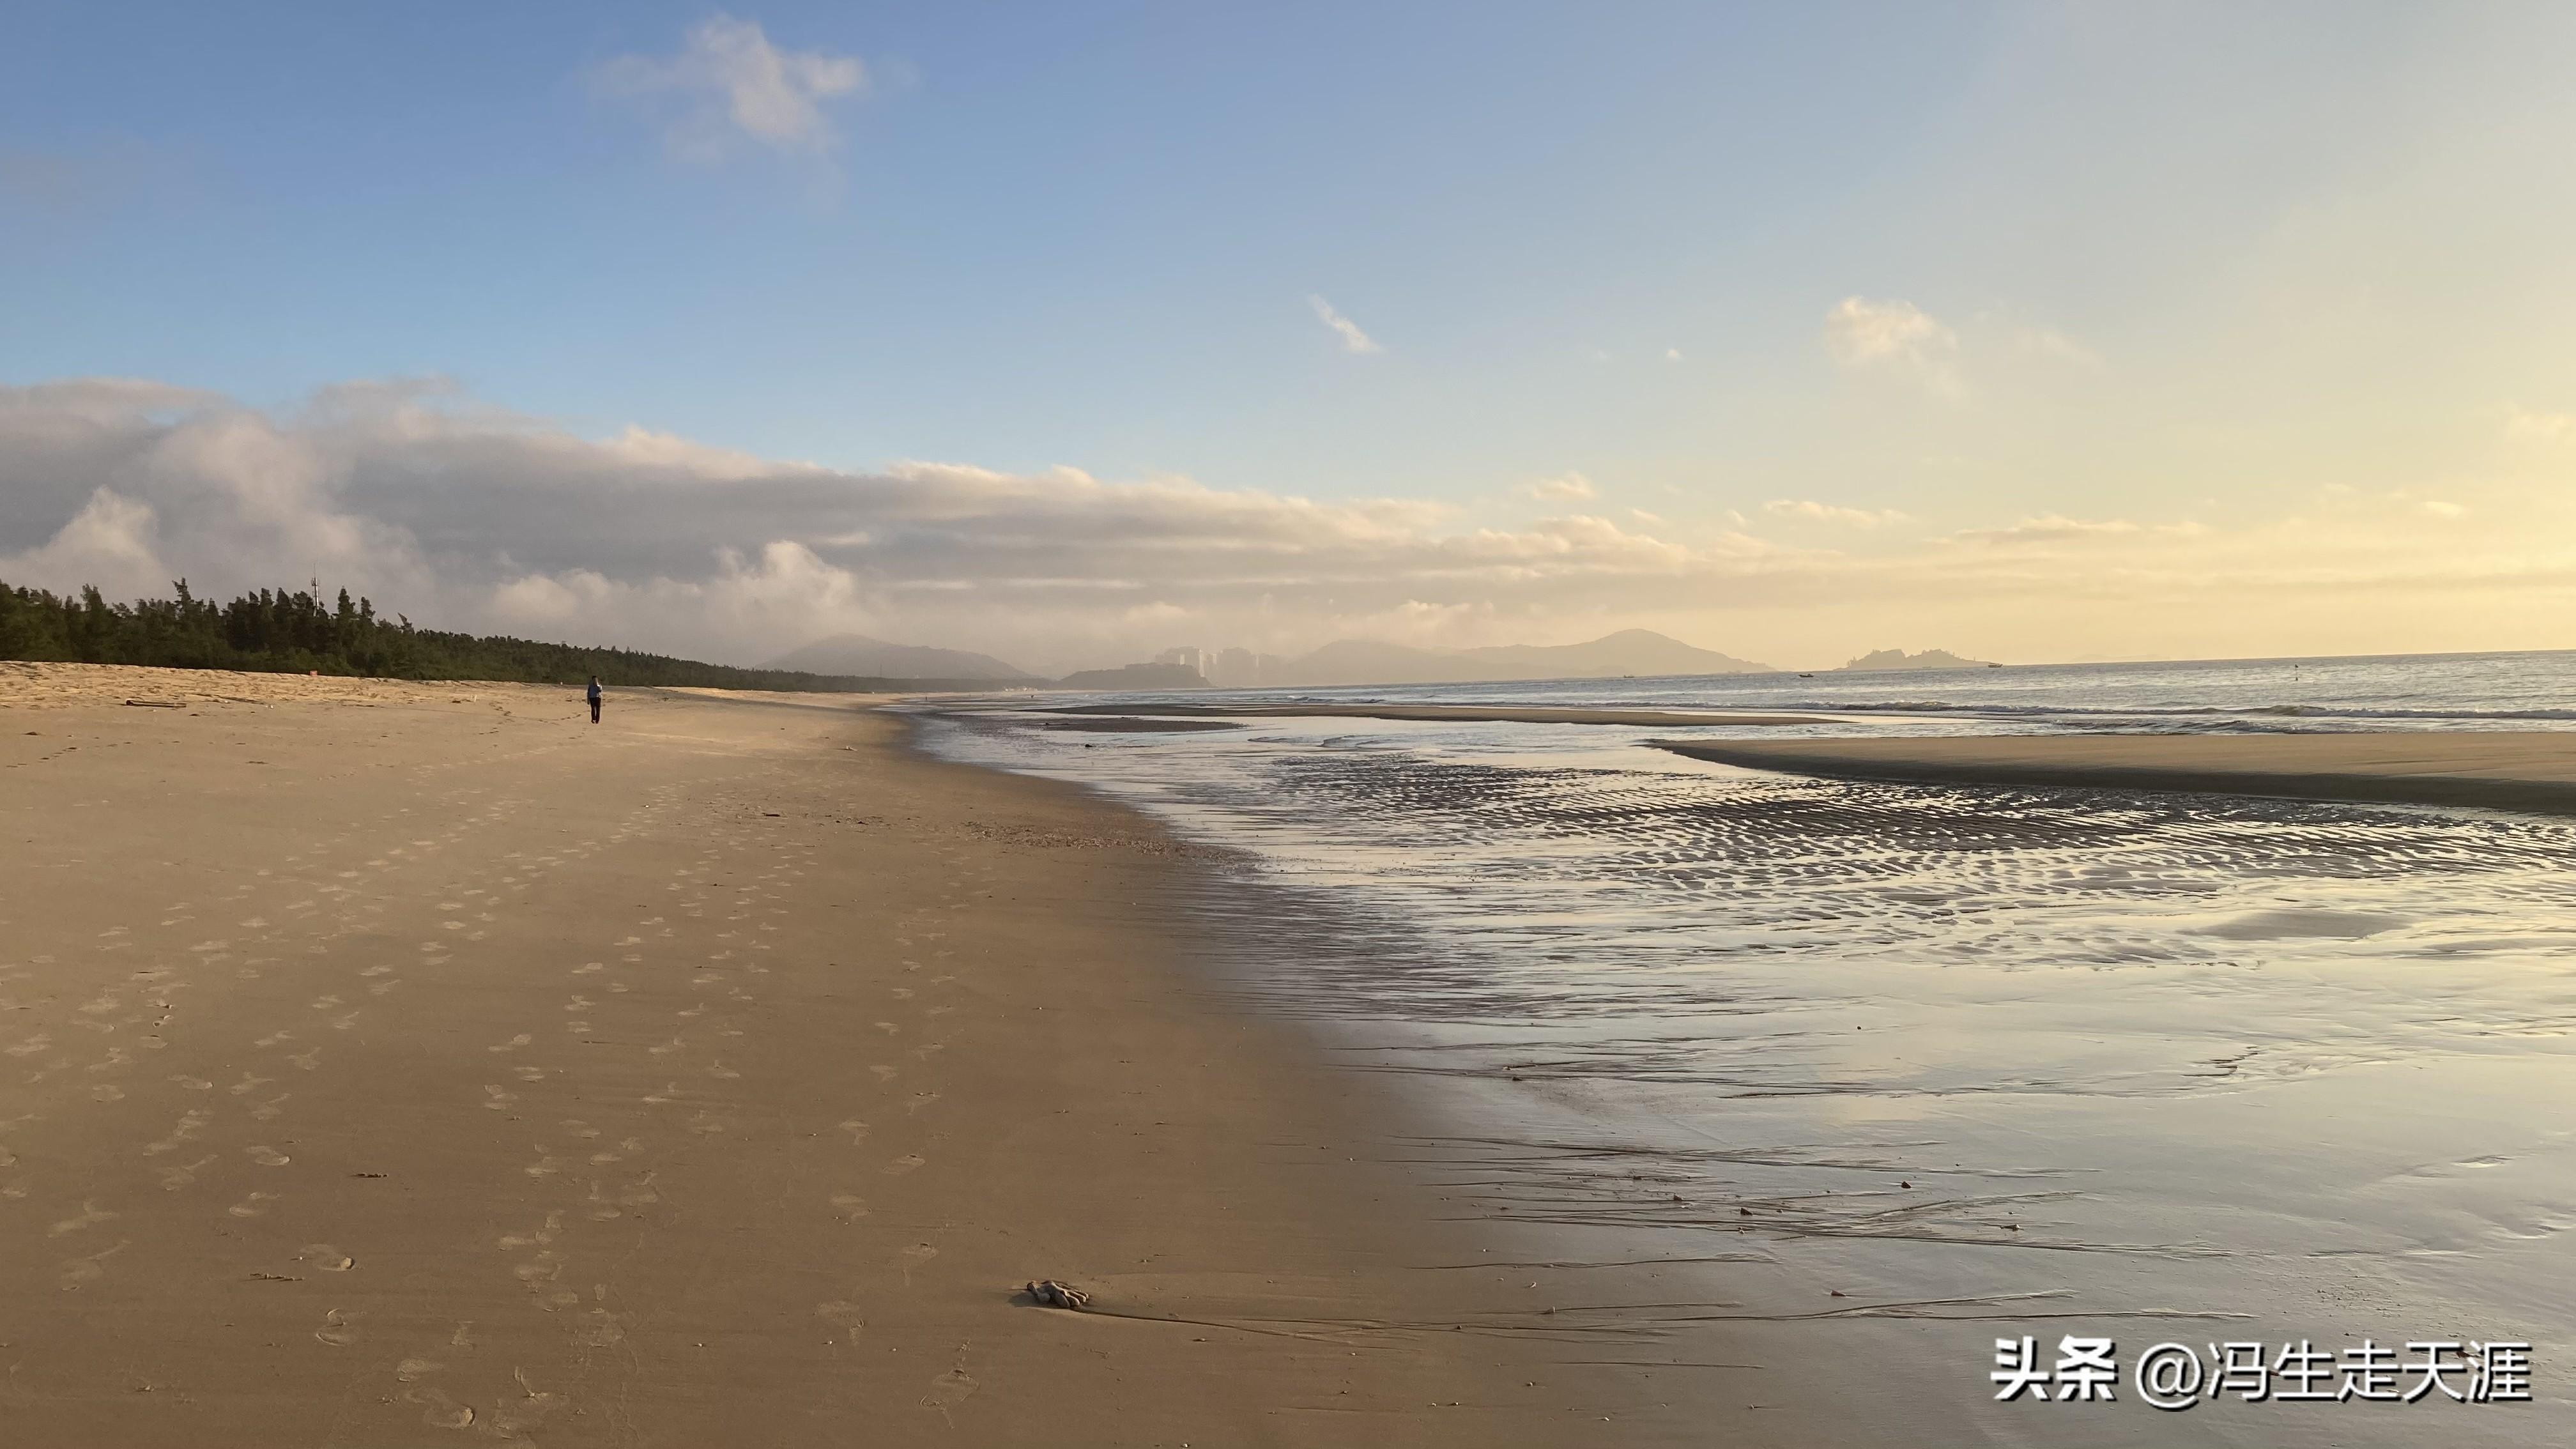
[2444,508]
[1808,511]
[1353,339]
[2524,425]
[2054,346]
[1565,487]
[1863,333]
[466,516]
[111,542]
[728,83]
[1672,354]
[2056,528]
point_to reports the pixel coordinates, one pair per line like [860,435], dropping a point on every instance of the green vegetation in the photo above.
[296,633]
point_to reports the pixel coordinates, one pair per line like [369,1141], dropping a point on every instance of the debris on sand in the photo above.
[1051,1294]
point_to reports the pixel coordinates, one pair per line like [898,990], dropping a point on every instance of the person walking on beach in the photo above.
[594,699]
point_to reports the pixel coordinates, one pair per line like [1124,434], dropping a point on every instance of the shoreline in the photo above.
[1462,713]
[2533,771]
[708,1076]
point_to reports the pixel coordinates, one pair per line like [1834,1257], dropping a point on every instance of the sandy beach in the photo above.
[417,1063]
[2517,770]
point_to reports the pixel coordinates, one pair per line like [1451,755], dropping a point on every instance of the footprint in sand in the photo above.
[267,1156]
[950,1389]
[842,1313]
[325,1257]
[513,1044]
[89,1214]
[849,1206]
[438,1410]
[498,1098]
[336,1330]
[884,1073]
[904,1164]
[175,1178]
[190,1124]
[193,1084]
[107,1094]
[307,1059]
[914,1257]
[78,1273]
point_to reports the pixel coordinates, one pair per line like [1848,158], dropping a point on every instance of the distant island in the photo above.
[1136,676]
[1928,659]
[1639,652]
[857,654]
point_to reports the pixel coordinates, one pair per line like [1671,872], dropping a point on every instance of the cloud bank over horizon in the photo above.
[468,516]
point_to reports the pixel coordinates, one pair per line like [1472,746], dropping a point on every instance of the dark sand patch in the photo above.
[1111,725]
[2518,770]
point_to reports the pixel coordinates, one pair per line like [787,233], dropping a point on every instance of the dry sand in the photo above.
[1470,713]
[413,1064]
[2532,770]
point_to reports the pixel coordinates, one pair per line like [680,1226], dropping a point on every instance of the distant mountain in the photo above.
[859,654]
[1630,651]
[1928,659]
[1136,676]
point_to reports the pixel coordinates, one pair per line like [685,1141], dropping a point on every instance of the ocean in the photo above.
[1798,1087]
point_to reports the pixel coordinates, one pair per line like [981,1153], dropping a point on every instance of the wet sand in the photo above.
[1821,1086]
[398,1063]
[2522,770]
[1463,713]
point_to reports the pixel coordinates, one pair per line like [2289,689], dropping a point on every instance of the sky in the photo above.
[1073,332]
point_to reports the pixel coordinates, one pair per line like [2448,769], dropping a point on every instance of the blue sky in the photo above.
[1040,239]
[2164,266]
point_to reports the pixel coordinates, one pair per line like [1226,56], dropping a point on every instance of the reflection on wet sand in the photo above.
[1810,1074]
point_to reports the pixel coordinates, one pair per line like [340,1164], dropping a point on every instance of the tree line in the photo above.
[298,632]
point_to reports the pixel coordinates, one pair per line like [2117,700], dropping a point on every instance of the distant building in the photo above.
[1236,668]
[1188,656]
